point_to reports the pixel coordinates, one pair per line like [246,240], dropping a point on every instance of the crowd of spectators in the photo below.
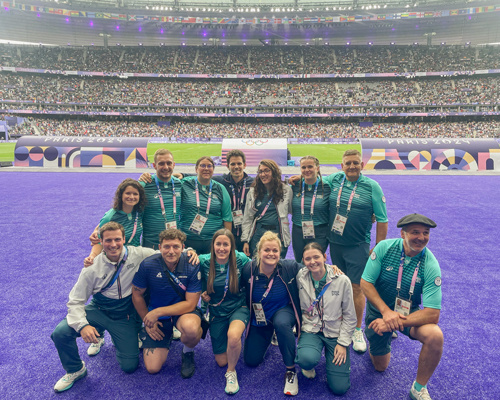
[100,91]
[311,59]
[201,130]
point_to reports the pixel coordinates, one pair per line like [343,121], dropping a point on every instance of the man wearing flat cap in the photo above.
[400,275]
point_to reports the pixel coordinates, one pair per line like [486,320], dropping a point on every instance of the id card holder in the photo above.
[339,224]
[260,316]
[308,230]
[237,217]
[402,306]
[171,225]
[198,223]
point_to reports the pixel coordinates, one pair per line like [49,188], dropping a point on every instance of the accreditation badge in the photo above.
[237,217]
[260,316]
[171,225]
[339,224]
[402,306]
[308,230]
[198,223]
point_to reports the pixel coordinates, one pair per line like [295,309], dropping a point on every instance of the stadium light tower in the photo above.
[429,36]
[105,37]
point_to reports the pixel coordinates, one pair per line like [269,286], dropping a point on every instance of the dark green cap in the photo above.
[416,219]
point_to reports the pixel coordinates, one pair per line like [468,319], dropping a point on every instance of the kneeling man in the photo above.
[109,281]
[400,274]
[175,288]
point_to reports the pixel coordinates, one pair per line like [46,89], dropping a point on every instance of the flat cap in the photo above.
[416,219]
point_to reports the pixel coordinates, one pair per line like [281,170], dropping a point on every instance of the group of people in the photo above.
[205,130]
[153,93]
[234,280]
[288,59]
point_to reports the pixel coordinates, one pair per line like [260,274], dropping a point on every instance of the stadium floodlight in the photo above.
[349,7]
[334,8]
[370,43]
[147,7]
[385,5]
[348,43]
[362,7]
[393,43]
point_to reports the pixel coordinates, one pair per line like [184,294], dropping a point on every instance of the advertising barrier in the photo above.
[76,152]
[431,154]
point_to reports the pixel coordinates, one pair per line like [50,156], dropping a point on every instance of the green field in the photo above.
[189,152]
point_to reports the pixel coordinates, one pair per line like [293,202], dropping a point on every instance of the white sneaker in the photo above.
[358,341]
[274,340]
[66,382]
[95,348]
[291,384]
[177,334]
[422,395]
[232,386]
[309,373]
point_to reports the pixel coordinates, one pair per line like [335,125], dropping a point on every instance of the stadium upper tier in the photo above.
[252,59]
[69,93]
[198,130]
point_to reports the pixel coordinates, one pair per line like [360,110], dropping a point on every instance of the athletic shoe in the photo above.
[232,386]
[291,383]
[416,395]
[309,373]
[274,340]
[66,382]
[394,335]
[95,348]
[358,341]
[188,366]
[177,334]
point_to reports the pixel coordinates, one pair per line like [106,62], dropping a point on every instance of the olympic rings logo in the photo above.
[251,142]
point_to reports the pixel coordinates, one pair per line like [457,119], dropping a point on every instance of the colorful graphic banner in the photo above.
[431,154]
[76,152]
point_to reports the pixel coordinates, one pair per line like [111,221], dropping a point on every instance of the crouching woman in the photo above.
[328,319]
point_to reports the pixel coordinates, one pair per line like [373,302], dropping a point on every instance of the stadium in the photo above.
[90,90]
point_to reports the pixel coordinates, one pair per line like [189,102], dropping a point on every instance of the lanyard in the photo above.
[269,286]
[304,195]
[135,227]
[174,199]
[320,295]
[226,286]
[400,273]
[239,204]
[265,208]
[198,195]
[119,267]
[350,198]
[176,280]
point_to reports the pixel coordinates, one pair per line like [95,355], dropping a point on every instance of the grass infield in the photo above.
[188,153]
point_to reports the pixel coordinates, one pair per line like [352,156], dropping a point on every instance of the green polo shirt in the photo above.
[368,200]
[231,301]
[382,271]
[153,219]
[321,205]
[128,222]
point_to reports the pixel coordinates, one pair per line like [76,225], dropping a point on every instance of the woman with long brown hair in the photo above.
[229,315]
[268,204]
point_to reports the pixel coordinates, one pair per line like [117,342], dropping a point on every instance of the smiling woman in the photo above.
[128,206]
[206,206]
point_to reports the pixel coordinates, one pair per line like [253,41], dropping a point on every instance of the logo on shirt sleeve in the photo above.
[437,281]
[383,199]
[199,275]
[373,256]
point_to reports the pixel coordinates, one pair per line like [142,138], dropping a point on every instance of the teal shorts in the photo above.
[220,325]
[380,345]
